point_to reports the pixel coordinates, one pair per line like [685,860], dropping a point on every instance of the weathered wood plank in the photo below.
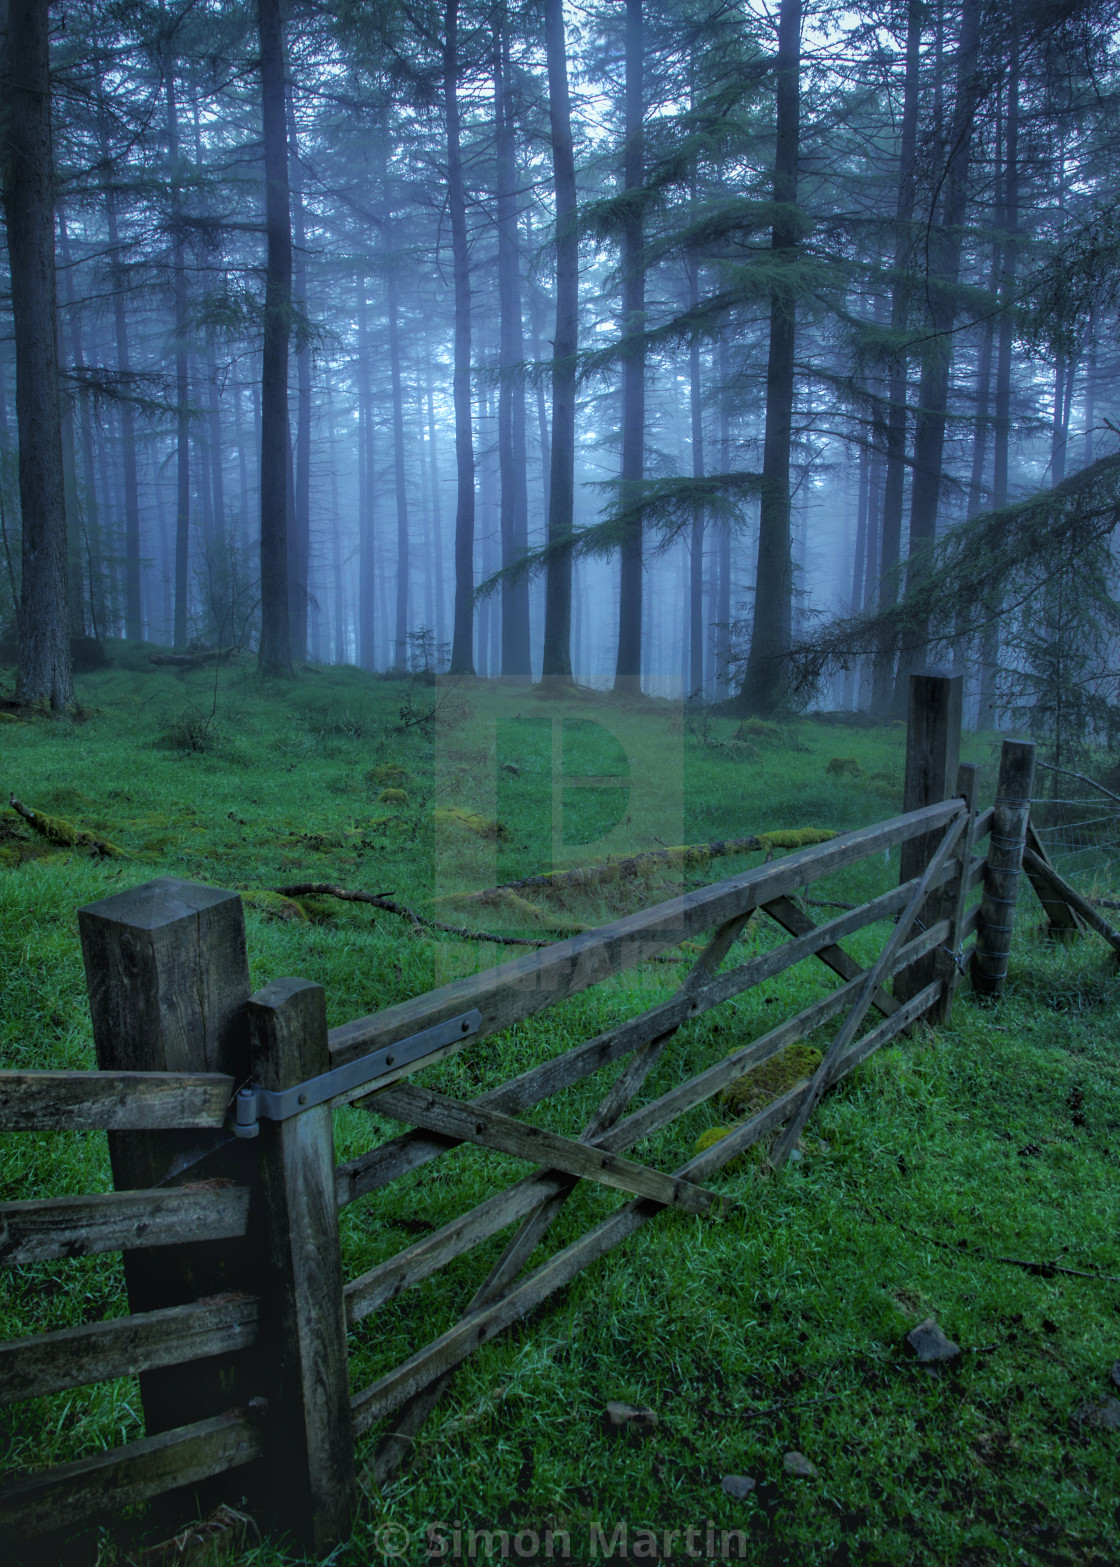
[1062,889]
[112,1101]
[432,1252]
[472,1123]
[947,959]
[104,1485]
[797,922]
[1065,922]
[386,1163]
[933,746]
[477,1328]
[308,1474]
[125,1346]
[526,985]
[47,1228]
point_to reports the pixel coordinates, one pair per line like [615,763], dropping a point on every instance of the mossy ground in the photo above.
[780,1327]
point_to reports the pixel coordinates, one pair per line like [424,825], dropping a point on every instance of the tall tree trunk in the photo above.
[695,686]
[988,716]
[43,675]
[765,682]
[437,513]
[367,574]
[628,671]
[557,657]
[299,543]
[182,376]
[275,656]
[84,525]
[723,612]
[462,661]
[133,613]
[883,569]
[514,515]
[937,358]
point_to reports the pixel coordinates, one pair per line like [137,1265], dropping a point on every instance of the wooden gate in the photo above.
[238,1307]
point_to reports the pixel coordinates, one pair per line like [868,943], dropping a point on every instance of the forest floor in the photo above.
[937,1181]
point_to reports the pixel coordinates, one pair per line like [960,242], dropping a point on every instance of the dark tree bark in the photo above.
[1008,220]
[937,357]
[514,514]
[557,657]
[43,676]
[299,542]
[367,578]
[627,676]
[883,570]
[765,680]
[275,654]
[182,373]
[437,512]
[696,540]
[462,659]
[133,612]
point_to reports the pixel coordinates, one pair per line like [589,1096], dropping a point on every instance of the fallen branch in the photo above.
[323,889]
[594,877]
[1041,1269]
[1081,778]
[63,833]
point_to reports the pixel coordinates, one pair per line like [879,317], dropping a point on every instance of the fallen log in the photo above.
[64,834]
[683,857]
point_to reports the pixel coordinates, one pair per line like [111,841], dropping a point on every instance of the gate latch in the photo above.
[254,1103]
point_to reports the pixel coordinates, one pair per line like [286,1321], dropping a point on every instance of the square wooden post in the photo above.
[933,748]
[309,1443]
[168,979]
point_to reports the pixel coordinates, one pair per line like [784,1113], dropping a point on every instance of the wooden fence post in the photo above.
[933,748]
[168,979]
[309,1444]
[1003,869]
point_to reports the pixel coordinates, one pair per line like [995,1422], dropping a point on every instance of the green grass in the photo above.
[779,1327]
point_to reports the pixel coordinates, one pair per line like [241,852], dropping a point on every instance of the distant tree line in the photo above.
[665,343]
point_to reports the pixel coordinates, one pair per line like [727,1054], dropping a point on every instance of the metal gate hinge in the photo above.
[253,1103]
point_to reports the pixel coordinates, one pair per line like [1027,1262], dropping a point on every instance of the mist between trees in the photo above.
[756,354]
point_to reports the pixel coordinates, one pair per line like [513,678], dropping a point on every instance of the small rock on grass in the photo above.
[1103,1414]
[798,1464]
[737,1487]
[930,1344]
[633,1416]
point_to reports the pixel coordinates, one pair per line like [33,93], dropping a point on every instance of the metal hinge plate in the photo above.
[254,1104]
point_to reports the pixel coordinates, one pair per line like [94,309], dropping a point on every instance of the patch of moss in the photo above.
[714,1134]
[795,837]
[844,767]
[770,1079]
[392,797]
[453,816]
[390,776]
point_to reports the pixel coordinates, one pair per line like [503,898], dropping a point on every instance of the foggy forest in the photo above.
[559,782]
[719,351]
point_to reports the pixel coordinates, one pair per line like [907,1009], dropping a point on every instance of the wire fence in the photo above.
[1082,839]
